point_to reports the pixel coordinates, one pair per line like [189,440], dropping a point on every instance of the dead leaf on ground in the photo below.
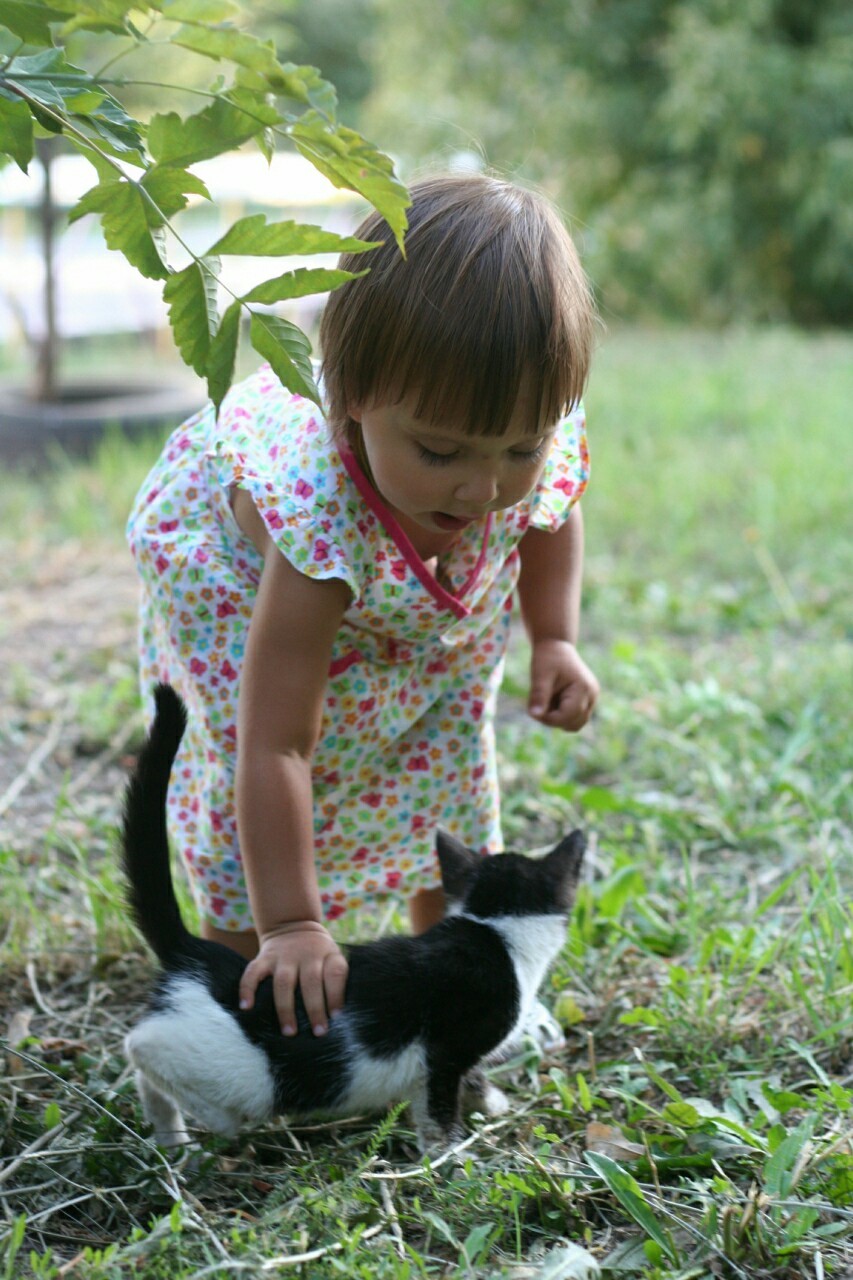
[608,1140]
[16,1032]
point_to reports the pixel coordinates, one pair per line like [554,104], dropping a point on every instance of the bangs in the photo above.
[489,304]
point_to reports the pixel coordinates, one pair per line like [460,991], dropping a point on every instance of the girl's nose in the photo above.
[479,488]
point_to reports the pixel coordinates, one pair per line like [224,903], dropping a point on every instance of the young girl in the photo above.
[331,593]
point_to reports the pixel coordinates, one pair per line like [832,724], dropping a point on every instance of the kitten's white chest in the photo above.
[374,1081]
[532,943]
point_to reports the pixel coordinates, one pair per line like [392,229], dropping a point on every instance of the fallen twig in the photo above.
[32,767]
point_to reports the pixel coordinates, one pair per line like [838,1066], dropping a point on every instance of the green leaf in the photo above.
[13,1244]
[640,1016]
[781,1099]
[347,160]
[30,20]
[231,44]
[255,237]
[664,1085]
[106,119]
[630,1195]
[50,84]
[169,187]
[16,131]
[613,895]
[682,1115]
[288,352]
[222,355]
[103,167]
[584,1093]
[300,283]
[256,104]
[200,10]
[305,84]
[46,78]
[92,22]
[779,1168]
[182,141]
[567,1011]
[191,297]
[130,224]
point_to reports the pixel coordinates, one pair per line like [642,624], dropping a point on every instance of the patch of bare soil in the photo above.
[65,626]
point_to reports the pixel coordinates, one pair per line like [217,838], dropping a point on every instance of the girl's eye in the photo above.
[528,455]
[434,459]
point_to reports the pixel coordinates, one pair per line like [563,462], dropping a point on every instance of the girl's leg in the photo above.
[426,908]
[244,943]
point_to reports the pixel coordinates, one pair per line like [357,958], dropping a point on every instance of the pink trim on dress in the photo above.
[474,576]
[410,555]
[343,664]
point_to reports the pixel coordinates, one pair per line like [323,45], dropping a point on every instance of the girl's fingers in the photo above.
[284,993]
[314,997]
[252,975]
[335,972]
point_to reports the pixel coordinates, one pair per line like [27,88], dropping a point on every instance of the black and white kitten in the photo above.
[420,1015]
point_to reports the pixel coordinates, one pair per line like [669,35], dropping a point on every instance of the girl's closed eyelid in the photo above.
[518,455]
[433,458]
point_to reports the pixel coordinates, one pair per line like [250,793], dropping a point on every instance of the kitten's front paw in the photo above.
[494,1101]
[433,1138]
[481,1095]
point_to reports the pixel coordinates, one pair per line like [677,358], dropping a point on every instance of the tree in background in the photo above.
[142,164]
[703,147]
[335,35]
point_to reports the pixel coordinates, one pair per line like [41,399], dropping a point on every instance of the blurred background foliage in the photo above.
[702,150]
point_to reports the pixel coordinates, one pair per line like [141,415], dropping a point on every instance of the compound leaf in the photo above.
[191,297]
[288,352]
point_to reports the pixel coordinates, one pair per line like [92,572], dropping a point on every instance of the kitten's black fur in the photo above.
[420,1013]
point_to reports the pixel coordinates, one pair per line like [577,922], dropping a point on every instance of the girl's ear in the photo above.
[354,412]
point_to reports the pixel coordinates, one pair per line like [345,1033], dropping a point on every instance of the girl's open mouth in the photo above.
[451,523]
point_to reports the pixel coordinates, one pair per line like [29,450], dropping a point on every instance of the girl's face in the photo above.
[437,479]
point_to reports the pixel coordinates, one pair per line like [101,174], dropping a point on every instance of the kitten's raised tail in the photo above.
[145,844]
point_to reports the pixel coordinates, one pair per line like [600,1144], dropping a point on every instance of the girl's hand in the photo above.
[300,954]
[563,690]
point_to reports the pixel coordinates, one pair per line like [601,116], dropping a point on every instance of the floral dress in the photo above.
[407,742]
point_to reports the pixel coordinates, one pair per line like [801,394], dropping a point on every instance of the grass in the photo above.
[700,1123]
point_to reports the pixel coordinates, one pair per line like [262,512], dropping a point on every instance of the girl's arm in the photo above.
[294,624]
[563,690]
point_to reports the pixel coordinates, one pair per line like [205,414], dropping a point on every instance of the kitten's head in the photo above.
[509,884]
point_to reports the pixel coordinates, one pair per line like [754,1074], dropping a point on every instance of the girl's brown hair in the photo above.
[489,300]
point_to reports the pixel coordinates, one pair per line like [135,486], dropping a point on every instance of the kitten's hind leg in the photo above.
[162,1113]
[194,1052]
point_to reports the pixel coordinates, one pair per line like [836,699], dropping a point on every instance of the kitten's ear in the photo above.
[458,863]
[563,865]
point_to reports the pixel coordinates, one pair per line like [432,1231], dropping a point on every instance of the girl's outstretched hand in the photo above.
[563,690]
[299,954]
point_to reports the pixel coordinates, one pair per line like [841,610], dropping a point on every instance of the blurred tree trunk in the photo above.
[47,364]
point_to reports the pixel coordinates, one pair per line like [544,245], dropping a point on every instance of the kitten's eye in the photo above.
[435,459]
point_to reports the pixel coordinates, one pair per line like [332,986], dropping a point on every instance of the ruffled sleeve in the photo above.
[565,476]
[278,447]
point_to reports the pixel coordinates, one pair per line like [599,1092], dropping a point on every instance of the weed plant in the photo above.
[700,1122]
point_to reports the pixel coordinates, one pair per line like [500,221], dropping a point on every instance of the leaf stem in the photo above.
[137,38]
